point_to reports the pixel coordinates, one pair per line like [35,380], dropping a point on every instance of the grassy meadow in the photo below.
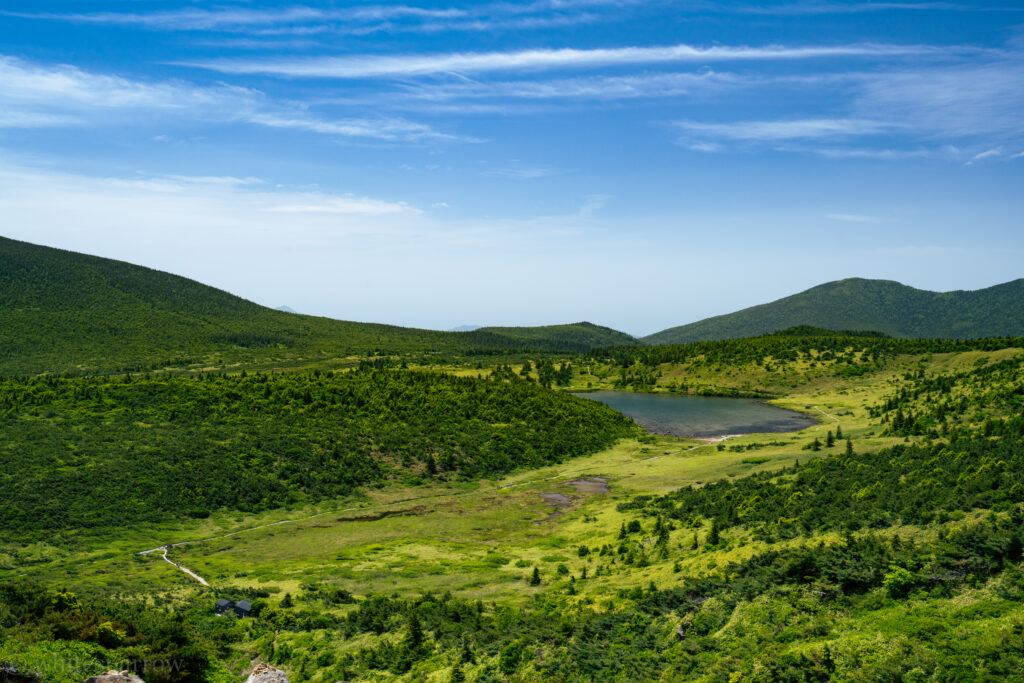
[537,543]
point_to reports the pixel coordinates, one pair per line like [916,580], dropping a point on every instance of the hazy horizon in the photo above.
[638,164]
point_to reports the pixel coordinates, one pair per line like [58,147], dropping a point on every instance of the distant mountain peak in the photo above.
[286,309]
[887,306]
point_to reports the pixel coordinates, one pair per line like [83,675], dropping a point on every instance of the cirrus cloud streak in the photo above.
[400,66]
[48,96]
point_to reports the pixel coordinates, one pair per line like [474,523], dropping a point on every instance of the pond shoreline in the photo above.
[707,437]
[757,395]
[701,417]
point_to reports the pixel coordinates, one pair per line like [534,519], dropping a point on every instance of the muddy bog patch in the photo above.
[374,516]
[589,485]
[557,501]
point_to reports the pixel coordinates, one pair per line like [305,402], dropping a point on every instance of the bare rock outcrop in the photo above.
[115,677]
[11,674]
[264,673]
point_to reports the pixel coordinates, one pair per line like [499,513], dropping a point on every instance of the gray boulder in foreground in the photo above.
[264,673]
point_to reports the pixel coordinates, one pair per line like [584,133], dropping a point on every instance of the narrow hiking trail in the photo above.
[176,565]
[826,414]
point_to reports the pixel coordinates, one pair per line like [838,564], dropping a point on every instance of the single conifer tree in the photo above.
[467,656]
[714,536]
[535,577]
[415,638]
[827,661]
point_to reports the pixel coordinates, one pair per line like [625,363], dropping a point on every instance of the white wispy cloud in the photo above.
[976,99]
[395,66]
[461,95]
[42,197]
[795,129]
[590,87]
[881,153]
[798,8]
[257,43]
[477,17]
[26,83]
[347,204]
[519,172]
[179,182]
[465,96]
[35,95]
[705,147]
[591,205]
[379,128]
[360,20]
[851,218]
[987,154]
[36,119]
[967,111]
[238,18]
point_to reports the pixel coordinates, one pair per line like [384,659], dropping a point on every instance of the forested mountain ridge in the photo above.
[883,305]
[62,311]
[572,336]
[65,312]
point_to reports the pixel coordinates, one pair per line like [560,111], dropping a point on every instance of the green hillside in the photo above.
[883,305]
[109,452]
[575,336]
[64,312]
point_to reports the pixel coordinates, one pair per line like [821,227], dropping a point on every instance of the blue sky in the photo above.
[639,164]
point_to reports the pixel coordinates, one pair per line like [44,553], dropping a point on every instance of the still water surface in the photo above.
[701,415]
